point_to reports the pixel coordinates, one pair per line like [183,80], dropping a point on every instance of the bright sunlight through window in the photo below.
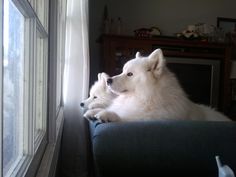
[13,89]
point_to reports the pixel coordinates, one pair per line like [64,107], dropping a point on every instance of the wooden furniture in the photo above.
[119,49]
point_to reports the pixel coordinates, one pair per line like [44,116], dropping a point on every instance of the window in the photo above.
[23,84]
[28,114]
[13,87]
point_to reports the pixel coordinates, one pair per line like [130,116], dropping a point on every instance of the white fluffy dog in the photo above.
[147,90]
[100,97]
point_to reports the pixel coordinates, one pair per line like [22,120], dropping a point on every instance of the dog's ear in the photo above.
[99,76]
[138,55]
[104,76]
[157,62]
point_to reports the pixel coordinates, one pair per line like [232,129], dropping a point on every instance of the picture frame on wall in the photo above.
[228,26]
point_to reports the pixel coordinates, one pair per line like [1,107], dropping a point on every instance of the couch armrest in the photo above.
[163,148]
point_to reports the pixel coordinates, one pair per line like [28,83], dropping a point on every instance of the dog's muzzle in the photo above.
[109,81]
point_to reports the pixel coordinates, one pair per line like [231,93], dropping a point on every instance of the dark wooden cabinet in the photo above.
[117,50]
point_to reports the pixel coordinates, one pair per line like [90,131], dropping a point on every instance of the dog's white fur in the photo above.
[148,90]
[100,97]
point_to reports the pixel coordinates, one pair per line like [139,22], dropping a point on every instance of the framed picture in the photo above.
[228,25]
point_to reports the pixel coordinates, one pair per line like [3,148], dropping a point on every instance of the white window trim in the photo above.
[28,138]
[43,36]
[25,8]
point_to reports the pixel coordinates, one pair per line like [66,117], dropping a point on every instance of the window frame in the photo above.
[54,111]
[26,148]
[41,157]
[43,36]
[33,149]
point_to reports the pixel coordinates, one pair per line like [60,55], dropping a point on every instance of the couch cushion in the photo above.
[163,148]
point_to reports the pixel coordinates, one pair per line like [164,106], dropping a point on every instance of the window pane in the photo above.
[13,87]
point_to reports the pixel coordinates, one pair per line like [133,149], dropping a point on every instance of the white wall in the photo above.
[169,15]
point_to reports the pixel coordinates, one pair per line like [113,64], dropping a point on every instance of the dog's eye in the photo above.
[94,97]
[129,74]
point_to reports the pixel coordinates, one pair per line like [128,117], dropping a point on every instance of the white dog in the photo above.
[147,90]
[100,97]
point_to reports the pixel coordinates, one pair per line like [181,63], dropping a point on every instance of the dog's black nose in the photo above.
[82,104]
[109,81]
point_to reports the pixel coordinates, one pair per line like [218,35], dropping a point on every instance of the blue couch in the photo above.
[162,148]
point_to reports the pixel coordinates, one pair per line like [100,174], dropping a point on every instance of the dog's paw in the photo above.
[102,116]
[106,116]
[90,115]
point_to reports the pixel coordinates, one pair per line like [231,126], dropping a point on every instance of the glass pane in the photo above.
[13,87]
[39,86]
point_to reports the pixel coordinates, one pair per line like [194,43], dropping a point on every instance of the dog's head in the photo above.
[99,92]
[138,72]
